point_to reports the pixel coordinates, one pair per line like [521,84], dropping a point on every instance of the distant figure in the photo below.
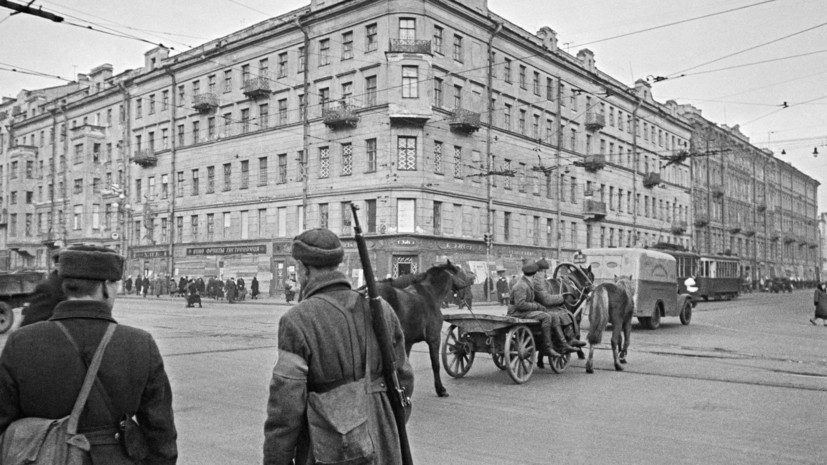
[503,288]
[290,288]
[139,283]
[230,288]
[194,297]
[254,288]
[820,301]
[145,285]
[127,285]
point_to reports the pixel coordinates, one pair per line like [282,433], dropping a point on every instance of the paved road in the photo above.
[745,383]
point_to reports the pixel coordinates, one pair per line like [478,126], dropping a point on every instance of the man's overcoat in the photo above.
[315,352]
[41,375]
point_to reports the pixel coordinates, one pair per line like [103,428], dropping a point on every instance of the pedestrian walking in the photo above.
[145,285]
[327,350]
[254,288]
[503,288]
[820,301]
[128,285]
[290,287]
[43,366]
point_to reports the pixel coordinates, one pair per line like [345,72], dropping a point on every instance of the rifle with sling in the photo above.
[398,398]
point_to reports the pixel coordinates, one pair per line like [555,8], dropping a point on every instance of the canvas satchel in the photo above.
[338,418]
[41,441]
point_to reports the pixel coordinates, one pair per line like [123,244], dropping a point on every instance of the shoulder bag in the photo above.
[338,418]
[42,441]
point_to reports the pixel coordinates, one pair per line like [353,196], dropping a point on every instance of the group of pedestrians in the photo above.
[326,346]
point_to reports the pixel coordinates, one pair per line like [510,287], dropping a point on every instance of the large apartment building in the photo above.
[458,134]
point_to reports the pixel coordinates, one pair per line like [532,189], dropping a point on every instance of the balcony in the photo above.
[464,121]
[678,227]
[734,228]
[774,234]
[205,103]
[594,210]
[341,115]
[4,217]
[701,220]
[594,163]
[789,238]
[145,158]
[717,190]
[651,180]
[762,206]
[410,46]
[88,130]
[22,151]
[595,121]
[256,87]
[748,231]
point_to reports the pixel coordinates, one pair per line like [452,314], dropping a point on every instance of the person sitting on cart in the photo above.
[523,305]
[563,326]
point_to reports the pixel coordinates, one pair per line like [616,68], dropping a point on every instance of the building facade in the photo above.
[458,134]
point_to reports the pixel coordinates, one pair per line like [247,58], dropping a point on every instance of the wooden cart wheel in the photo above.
[499,360]
[519,352]
[457,354]
[559,364]
[6,317]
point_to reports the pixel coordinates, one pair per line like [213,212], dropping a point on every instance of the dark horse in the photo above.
[417,301]
[610,302]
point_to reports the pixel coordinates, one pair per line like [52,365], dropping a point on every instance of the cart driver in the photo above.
[523,305]
[563,327]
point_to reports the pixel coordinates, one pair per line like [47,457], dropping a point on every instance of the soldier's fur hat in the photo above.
[90,262]
[318,247]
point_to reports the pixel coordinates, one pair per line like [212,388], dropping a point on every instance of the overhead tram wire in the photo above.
[678,73]
[772,60]
[674,23]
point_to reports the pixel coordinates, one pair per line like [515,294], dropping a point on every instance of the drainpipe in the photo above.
[126,139]
[490,161]
[635,165]
[305,121]
[53,166]
[63,173]
[174,187]
[557,169]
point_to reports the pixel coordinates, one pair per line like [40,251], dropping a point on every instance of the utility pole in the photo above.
[635,166]
[172,175]
[305,121]
[557,160]
[489,239]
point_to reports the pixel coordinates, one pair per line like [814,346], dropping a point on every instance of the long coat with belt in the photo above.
[315,350]
[41,375]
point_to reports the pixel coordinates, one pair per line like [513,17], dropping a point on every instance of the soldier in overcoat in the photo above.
[316,355]
[41,372]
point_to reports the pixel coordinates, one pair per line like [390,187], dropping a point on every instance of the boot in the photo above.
[569,333]
[560,344]
[546,345]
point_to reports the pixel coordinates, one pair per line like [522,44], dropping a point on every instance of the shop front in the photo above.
[149,261]
[227,260]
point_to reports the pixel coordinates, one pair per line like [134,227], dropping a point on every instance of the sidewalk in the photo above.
[279,300]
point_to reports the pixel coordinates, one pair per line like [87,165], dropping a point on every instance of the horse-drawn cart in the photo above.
[15,288]
[509,340]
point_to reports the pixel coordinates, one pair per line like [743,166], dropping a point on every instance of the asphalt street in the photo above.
[744,383]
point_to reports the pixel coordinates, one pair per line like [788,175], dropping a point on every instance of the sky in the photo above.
[761,64]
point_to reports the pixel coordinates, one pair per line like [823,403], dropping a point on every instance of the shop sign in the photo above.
[406,242]
[149,253]
[461,246]
[228,250]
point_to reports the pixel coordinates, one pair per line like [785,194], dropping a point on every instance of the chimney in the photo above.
[586,58]
[154,58]
[549,38]
[643,90]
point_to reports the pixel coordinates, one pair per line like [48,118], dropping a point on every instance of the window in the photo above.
[180,135]
[324,52]
[262,171]
[438,157]
[151,104]
[437,42]
[458,53]
[263,67]
[228,81]
[457,96]
[77,216]
[245,174]
[227,223]
[283,111]
[536,85]
[139,105]
[573,188]
[437,218]
[245,120]
[196,128]
[507,226]
[324,216]
[507,117]
[507,71]
[194,183]
[137,190]
[347,215]
[210,225]
[347,159]
[371,41]
[371,155]
[228,176]
[282,66]
[164,139]
[347,46]
[78,189]
[263,115]
[370,88]
[406,153]
[410,87]
[245,73]
[407,29]
[210,179]
[262,222]
[437,92]
[457,162]
[282,174]
[164,186]
[522,78]
[302,59]
[324,98]
[211,84]
[521,122]
[406,215]
[549,89]
[347,93]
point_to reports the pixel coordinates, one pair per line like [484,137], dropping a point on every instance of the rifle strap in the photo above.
[91,375]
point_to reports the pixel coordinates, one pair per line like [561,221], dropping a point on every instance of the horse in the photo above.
[417,300]
[610,302]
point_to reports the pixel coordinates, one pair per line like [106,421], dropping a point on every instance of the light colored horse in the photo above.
[610,302]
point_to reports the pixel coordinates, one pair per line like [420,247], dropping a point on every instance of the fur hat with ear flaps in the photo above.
[318,247]
[90,262]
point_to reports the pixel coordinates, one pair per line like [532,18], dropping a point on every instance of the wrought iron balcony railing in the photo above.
[257,87]
[465,120]
[595,121]
[410,46]
[343,114]
[204,103]
[651,180]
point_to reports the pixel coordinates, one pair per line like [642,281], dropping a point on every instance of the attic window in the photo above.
[152,63]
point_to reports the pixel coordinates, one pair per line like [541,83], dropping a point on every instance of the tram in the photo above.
[716,276]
